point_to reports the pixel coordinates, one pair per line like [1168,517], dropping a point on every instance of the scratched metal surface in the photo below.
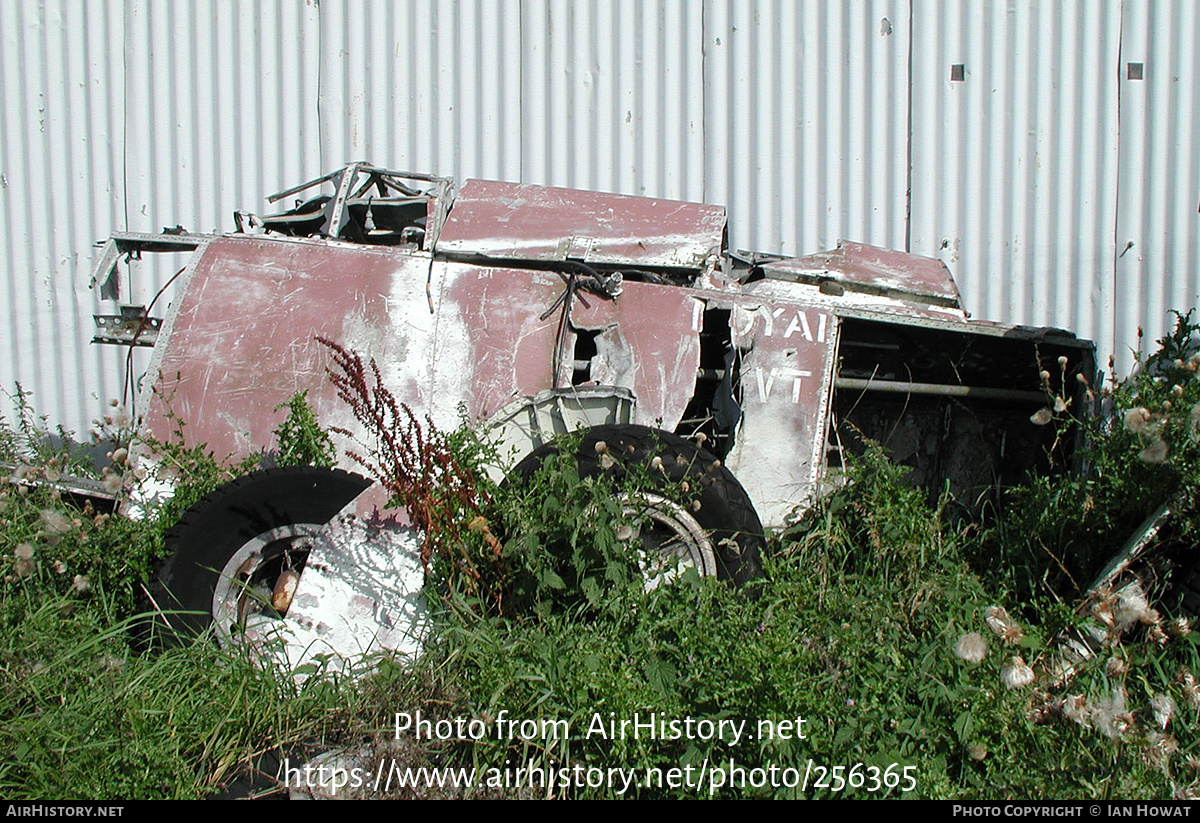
[452,335]
[510,221]
[243,339]
[445,333]
[859,267]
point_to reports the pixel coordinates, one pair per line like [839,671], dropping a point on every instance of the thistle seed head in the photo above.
[1131,606]
[1137,418]
[55,522]
[1015,674]
[971,647]
[1076,709]
[1003,626]
[1162,709]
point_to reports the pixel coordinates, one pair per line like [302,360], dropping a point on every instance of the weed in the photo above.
[85,710]
[885,634]
[301,440]
[419,465]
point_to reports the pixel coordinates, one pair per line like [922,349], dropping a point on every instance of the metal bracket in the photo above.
[132,327]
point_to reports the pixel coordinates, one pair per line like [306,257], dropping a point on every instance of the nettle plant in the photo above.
[1140,450]
[300,438]
[572,540]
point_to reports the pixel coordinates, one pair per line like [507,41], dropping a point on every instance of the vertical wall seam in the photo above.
[908,143]
[320,81]
[1116,221]
[125,112]
[704,103]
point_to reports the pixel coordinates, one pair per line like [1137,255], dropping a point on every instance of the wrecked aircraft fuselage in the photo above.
[542,309]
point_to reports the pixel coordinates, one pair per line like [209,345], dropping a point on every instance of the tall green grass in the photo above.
[872,625]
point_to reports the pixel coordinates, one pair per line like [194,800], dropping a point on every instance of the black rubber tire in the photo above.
[217,526]
[725,512]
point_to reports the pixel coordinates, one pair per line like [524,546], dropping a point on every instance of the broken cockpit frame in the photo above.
[540,310]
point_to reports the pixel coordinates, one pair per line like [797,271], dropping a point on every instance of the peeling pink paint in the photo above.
[872,270]
[242,340]
[512,221]
[476,322]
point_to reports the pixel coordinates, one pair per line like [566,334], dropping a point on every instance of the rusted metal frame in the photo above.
[362,166]
[105,267]
[76,485]
[441,197]
[595,283]
[824,277]
[277,196]
[372,180]
[1075,646]
[406,175]
[864,269]
[381,180]
[604,279]
[1055,337]
[1135,547]
[347,177]
[564,323]
[755,259]
[827,426]
[128,244]
[337,208]
[120,329]
[938,389]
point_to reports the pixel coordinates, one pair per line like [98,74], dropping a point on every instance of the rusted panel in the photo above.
[649,343]
[855,267]
[123,244]
[645,342]
[854,303]
[510,221]
[242,341]
[451,332]
[496,313]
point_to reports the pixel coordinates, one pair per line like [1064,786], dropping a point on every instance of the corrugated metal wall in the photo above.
[1015,165]
[1010,138]
[1157,227]
[806,122]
